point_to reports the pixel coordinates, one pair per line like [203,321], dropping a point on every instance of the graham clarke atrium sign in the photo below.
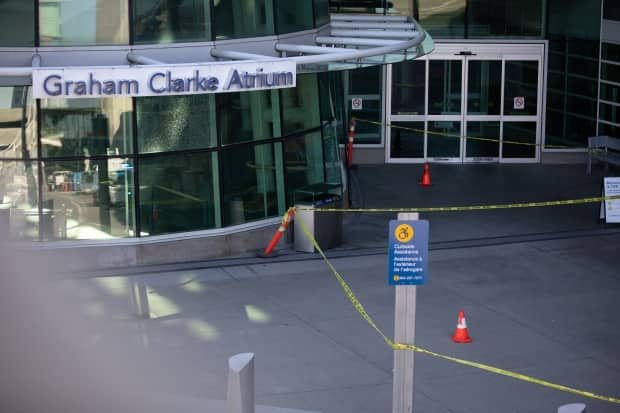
[160,80]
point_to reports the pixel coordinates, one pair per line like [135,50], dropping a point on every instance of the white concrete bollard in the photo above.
[572,408]
[240,398]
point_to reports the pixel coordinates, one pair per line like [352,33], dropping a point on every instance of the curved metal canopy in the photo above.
[349,41]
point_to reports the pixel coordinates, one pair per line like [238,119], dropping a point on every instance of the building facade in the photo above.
[98,160]
[130,122]
[508,81]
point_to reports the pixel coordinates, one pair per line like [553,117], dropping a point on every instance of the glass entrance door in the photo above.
[467,105]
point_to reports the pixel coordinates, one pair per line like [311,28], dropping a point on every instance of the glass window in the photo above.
[444,87]
[504,18]
[248,181]
[83,22]
[303,159]
[610,93]
[482,148]
[444,139]
[484,87]
[442,18]
[365,84]
[407,140]
[516,134]
[88,199]
[332,120]
[86,127]
[609,113]
[243,18]
[408,91]
[610,72]
[19,205]
[177,193]
[332,103]
[611,10]
[17,23]
[18,129]
[611,52]
[173,123]
[157,21]
[247,116]
[609,130]
[521,88]
[300,104]
[294,15]
[321,12]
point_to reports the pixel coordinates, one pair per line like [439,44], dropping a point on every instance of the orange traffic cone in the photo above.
[426,176]
[460,334]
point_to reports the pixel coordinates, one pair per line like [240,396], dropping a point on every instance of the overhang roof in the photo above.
[348,41]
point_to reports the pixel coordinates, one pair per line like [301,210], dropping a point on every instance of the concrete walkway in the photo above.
[540,290]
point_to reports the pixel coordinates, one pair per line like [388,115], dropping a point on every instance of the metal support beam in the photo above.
[142,60]
[299,48]
[234,55]
[387,34]
[367,18]
[373,25]
[355,41]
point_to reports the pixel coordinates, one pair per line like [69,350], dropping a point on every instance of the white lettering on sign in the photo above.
[156,80]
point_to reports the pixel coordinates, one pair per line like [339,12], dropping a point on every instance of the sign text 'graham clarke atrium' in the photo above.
[158,80]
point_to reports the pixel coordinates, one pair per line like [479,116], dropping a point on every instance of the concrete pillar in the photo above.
[240,398]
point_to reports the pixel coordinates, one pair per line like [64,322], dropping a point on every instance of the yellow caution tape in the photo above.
[454,135]
[400,346]
[470,207]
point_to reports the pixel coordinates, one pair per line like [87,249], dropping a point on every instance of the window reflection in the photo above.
[442,18]
[87,199]
[247,116]
[303,162]
[407,140]
[248,175]
[83,22]
[243,18]
[19,211]
[177,193]
[86,127]
[17,123]
[505,18]
[365,84]
[167,21]
[17,23]
[444,87]
[408,92]
[300,105]
[294,15]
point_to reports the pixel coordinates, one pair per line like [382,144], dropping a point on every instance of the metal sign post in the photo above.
[408,256]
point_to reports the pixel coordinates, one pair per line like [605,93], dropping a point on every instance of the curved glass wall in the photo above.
[95,22]
[121,167]
[83,22]
[17,23]
[157,21]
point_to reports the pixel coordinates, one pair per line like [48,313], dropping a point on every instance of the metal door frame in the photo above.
[465,52]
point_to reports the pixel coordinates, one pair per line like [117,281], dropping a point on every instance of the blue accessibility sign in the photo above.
[408,252]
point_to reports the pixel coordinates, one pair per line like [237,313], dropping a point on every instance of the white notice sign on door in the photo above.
[356,103]
[519,103]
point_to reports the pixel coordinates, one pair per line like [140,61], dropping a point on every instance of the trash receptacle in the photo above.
[325,227]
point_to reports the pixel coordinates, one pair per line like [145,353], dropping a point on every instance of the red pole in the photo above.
[286,220]
[350,143]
